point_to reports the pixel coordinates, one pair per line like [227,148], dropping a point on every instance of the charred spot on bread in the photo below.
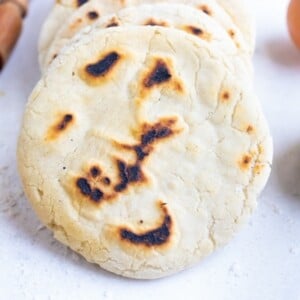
[96,195]
[114,22]
[60,126]
[84,186]
[160,74]
[81,2]
[199,32]
[128,174]
[86,190]
[140,152]
[106,181]
[151,134]
[231,33]
[95,172]
[250,129]
[67,119]
[101,70]
[93,15]
[104,65]
[195,30]
[151,238]
[245,162]
[158,131]
[153,22]
[225,96]
[205,9]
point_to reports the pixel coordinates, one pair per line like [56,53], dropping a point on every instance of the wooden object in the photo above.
[12,13]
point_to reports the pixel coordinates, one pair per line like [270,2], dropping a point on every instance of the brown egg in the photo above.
[293,19]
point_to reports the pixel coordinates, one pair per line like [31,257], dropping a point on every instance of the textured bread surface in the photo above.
[68,17]
[144,149]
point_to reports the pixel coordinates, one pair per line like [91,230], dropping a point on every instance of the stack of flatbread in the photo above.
[143,146]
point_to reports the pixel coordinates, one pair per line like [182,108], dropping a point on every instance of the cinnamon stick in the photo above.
[11,14]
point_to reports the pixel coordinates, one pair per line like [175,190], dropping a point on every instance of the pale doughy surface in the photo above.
[176,16]
[51,26]
[146,167]
[58,23]
[242,17]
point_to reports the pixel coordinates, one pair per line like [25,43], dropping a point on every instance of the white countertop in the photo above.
[261,263]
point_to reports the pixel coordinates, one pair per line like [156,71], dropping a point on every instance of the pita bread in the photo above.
[177,16]
[143,149]
[81,18]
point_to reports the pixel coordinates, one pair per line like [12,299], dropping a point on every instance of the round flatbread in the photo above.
[143,149]
[91,10]
[177,16]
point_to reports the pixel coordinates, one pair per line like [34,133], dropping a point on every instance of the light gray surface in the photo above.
[261,263]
